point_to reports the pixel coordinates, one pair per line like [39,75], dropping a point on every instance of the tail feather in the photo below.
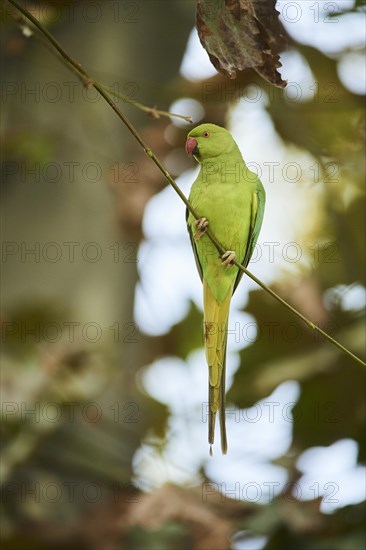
[211,313]
[222,406]
[215,323]
[211,416]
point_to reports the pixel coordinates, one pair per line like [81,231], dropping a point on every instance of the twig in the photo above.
[91,82]
[152,111]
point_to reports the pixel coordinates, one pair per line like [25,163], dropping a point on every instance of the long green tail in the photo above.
[221,408]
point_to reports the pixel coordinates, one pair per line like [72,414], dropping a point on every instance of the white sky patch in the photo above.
[332,472]
[186,106]
[168,273]
[185,383]
[352,71]
[354,298]
[272,416]
[256,435]
[164,217]
[182,386]
[196,64]
[153,469]
[351,298]
[242,329]
[168,278]
[244,540]
[296,70]
[311,23]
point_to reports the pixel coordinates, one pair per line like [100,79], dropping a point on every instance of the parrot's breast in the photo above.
[227,207]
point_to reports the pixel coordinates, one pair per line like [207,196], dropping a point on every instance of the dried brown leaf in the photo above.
[242,34]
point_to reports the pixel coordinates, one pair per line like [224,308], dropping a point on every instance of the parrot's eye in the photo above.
[206,134]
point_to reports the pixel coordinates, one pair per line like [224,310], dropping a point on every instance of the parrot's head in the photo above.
[208,141]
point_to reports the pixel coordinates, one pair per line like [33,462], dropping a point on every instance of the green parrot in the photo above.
[230,198]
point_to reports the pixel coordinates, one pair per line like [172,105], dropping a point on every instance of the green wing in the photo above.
[193,243]
[256,218]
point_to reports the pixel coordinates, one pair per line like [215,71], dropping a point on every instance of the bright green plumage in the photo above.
[232,199]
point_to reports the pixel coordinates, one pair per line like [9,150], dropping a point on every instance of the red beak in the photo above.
[191,145]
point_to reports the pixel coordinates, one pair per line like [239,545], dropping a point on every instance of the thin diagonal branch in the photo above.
[76,67]
[154,112]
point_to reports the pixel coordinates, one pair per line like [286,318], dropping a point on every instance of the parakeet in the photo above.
[230,199]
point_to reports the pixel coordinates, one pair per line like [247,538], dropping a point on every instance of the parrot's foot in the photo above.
[228,258]
[202,225]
